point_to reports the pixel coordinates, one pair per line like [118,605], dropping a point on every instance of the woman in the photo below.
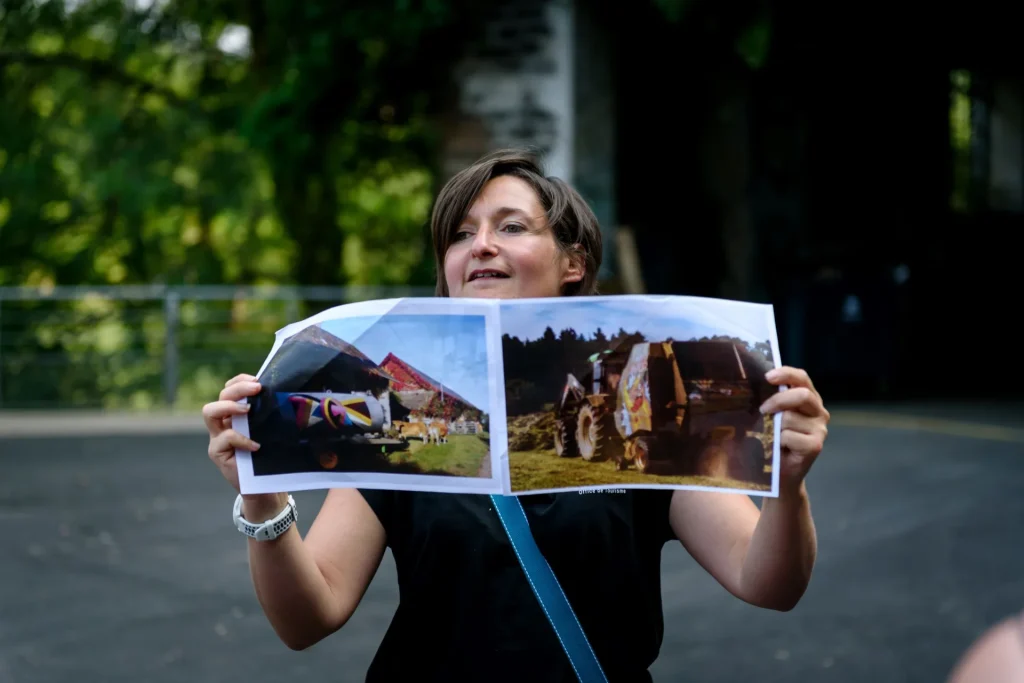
[503,230]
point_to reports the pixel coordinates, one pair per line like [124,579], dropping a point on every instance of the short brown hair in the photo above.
[573,223]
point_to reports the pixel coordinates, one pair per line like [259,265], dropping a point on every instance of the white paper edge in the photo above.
[496,376]
[678,487]
[777,417]
[304,481]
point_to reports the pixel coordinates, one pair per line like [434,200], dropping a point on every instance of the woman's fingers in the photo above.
[239,390]
[222,446]
[215,414]
[239,378]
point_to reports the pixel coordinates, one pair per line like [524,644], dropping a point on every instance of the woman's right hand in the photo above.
[223,439]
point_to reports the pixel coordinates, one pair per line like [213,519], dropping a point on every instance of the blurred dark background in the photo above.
[866,178]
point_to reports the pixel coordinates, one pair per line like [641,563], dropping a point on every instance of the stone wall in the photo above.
[514,87]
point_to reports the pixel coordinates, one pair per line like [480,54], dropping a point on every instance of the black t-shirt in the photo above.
[466,611]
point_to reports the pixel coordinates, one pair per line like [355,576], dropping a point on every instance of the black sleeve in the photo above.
[382,502]
[652,508]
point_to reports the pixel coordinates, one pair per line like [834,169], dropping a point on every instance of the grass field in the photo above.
[462,456]
[545,470]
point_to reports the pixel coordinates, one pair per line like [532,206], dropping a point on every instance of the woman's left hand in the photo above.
[804,423]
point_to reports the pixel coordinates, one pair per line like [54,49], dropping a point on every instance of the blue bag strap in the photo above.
[548,591]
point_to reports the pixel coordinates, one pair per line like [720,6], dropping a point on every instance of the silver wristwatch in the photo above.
[270,529]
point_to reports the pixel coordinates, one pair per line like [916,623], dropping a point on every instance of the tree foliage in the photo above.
[745,26]
[194,141]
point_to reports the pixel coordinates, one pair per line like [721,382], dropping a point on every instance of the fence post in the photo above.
[291,311]
[172,301]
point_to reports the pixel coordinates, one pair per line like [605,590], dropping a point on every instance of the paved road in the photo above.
[120,564]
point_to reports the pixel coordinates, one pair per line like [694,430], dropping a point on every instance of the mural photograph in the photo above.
[351,398]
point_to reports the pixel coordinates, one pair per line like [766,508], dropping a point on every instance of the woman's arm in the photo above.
[310,588]
[307,588]
[763,557]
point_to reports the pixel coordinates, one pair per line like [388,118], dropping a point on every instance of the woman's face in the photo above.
[505,249]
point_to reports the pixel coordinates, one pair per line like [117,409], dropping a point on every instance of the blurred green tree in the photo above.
[199,141]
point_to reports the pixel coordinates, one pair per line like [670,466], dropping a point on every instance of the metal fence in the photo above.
[146,347]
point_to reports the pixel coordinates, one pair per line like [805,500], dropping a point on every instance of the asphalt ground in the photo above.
[120,562]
